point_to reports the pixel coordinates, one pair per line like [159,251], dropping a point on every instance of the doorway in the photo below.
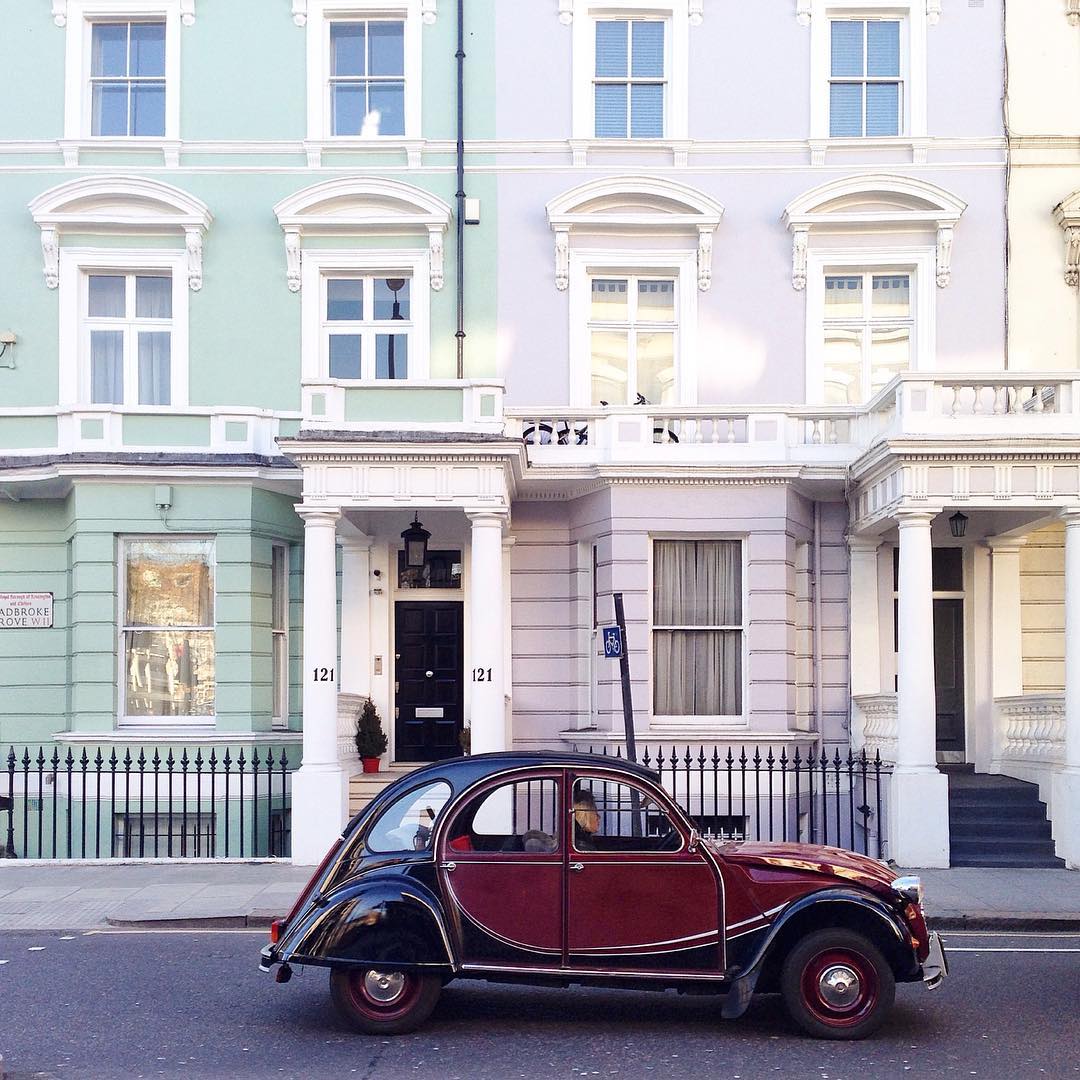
[949,675]
[429,679]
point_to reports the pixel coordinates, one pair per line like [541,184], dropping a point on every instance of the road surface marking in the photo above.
[1005,948]
[265,932]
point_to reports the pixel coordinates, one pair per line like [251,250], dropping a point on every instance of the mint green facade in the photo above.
[78,479]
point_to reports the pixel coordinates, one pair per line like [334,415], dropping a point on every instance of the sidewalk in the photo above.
[57,896]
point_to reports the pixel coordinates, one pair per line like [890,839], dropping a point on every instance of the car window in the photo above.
[521,816]
[406,824]
[609,816]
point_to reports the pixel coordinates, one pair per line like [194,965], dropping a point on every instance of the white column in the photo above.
[919,798]
[356,615]
[321,785]
[1065,811]
[486,633]
[865,634]
[355,663]
[508,622]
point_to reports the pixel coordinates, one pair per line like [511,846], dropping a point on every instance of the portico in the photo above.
[429,645]
[981,668]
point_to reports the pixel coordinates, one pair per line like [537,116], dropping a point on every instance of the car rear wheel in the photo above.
[381,1001]
[837,985]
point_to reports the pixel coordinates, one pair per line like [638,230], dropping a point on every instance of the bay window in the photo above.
[697,633]
[167,630]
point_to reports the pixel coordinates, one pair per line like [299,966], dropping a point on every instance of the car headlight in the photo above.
[909,888]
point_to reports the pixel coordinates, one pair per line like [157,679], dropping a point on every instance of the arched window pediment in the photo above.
[351,204]
[634,205]
[874,204]
[121,204]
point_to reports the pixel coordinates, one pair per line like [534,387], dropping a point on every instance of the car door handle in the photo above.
[449,867]
[576,867]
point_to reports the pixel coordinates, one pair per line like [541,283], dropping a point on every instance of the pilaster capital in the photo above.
[1071,516]
[1005,545]
[354,542]
[863,545]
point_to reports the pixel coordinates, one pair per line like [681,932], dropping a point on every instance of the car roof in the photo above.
[464,771]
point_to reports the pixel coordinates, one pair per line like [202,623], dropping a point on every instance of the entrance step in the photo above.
[997,821]
[364,787]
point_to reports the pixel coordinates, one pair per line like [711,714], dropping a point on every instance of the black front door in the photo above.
[429,679]
[949,673]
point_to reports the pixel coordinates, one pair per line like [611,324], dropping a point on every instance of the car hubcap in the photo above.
[839,986]
[384,987]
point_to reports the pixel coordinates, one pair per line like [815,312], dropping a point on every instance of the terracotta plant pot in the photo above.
[371,764]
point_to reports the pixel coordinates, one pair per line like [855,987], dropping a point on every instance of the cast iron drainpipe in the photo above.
[460,335]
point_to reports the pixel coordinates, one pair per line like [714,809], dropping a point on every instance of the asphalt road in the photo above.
[173,1004]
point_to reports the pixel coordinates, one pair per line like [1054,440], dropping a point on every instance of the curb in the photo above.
[1014,922]
[253,920]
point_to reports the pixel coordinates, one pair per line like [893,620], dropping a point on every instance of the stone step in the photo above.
[1012,862]
[1002,828]
[364,787]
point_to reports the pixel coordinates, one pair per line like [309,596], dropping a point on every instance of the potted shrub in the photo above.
[369,738]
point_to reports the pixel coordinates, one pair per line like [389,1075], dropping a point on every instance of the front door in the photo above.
[637,897]
[428,673]
[949,673]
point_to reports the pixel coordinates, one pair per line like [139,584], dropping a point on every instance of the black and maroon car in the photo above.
[564,869]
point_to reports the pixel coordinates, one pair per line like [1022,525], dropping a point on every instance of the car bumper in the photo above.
[269,958]
[936,966]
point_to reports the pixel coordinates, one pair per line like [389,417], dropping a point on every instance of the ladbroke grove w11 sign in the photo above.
[26,610]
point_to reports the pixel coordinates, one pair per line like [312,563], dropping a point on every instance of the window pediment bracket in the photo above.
[1072,12]
[1067,215]
[804,10]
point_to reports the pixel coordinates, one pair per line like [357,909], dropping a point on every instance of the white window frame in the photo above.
[913,63]
[319,264]
[81,15]
[632,326]
[280,689]
[130,326]
[367,329]
[157,723]
[676,18]
[319,16]
[76,265]
[680,265]
[741,720]
[917,262]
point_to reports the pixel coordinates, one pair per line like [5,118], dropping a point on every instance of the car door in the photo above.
[501,867]
[638,898]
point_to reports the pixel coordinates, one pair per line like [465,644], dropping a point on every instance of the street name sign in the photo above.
[26,610]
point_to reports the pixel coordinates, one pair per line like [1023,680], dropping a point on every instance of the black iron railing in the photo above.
[810,795]
[186,805]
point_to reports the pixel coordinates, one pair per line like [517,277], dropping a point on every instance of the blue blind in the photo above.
[611,111]
[348,48]
[883,109]
[611,39]
[845,109]
[847,48]
[883,49]
[647,51]
[646,111]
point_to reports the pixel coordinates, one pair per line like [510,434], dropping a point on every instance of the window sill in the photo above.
[916,145]
[168,147]
[677,146]
[409,145]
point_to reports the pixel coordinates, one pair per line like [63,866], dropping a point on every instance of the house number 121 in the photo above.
[481,674]
[322,674]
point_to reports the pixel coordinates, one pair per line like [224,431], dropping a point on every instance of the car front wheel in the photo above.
[837,985]
[384,1002]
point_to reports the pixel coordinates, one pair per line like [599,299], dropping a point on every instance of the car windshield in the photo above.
[406,824]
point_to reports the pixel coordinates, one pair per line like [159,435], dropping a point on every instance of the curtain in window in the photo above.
[155,368]
[697,672]
[107,367]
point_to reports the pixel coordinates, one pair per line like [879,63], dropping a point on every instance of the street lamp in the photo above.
[958,524]
[416,538]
